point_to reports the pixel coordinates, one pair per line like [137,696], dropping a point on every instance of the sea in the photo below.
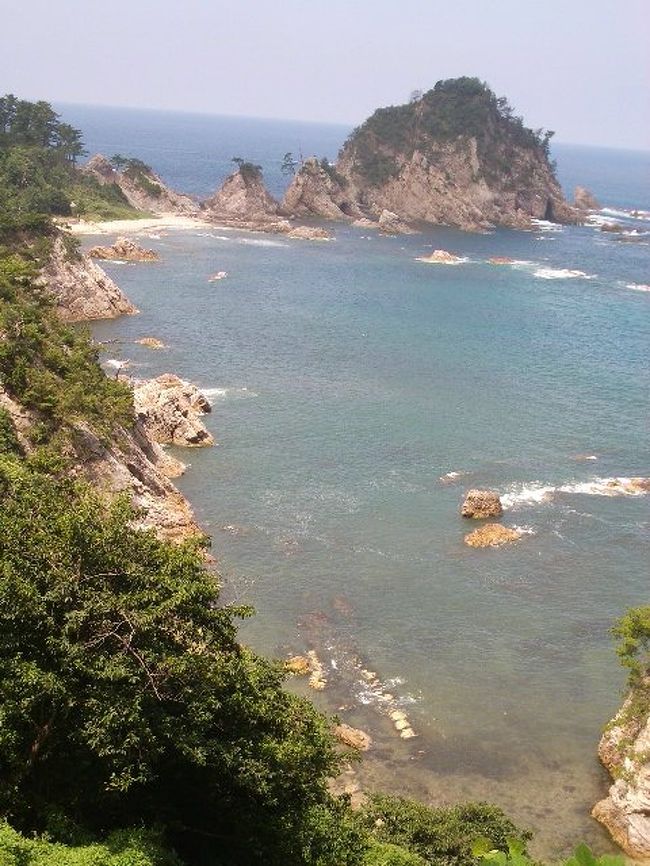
[357,394]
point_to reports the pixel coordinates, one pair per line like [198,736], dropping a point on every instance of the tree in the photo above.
[289,164]
[416,96]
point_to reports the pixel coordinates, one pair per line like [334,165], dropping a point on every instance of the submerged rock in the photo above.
[480,504]
[310,233]
[492,535]
[500,260]
[624,750]
[124,249]
[169,408]
[151,343]
[298,665]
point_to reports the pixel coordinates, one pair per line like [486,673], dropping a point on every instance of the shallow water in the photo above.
[348,380]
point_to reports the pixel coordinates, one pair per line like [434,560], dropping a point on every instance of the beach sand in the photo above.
[164,221]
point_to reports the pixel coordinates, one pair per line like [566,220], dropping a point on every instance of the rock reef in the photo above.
[169,409]
[492,535]
[80,288]
[123,250]
[479,504]
[624,750]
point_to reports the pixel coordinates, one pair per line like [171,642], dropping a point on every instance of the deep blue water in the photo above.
[348,380]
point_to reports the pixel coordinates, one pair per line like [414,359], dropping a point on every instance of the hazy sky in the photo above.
[581,67]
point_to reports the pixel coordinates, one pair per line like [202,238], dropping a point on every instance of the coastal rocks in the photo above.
[142,188]
[624,750]
[80,288]
[169,408]
[298,665]
[244,202]
[390,224]
[480,504]
[352,737]
[310,233]
[124,250]
[308,664]
[500,260]
[492,535]
[440,257]
[583,199]
[613,228]
[319,190]
[151,343]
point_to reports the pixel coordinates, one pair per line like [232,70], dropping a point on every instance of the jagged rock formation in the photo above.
[80,288]
[123,249]
[355,738]
[624,750]
[456,156]
[480,504]
[169,409]
[319,190]
[244,202]
[389,223]
[492,535]
[310,233]
[583,199]
[440,257]
[141,186]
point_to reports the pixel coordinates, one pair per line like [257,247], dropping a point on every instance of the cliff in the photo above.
[624,750]
[80,288]
[141,186]
[455,156]
[169,408]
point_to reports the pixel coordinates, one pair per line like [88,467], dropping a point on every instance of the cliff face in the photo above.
[142,187]
[319,191]
[455,156]
[244,202]
[80,288]
[625,751]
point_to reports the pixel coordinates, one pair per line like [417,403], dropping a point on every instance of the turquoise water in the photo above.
[348,380]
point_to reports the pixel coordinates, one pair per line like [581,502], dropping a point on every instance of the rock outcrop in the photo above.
[624,750]
[318,190]
[440,257]
[585,200]
[480,504]
[244,202]
[123,250]
[390,224]
[141,186]
[80,288]
[492,535]
[169,409]
[456,156]
[352,737]
[310,233]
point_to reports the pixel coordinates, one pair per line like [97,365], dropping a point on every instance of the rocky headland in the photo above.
[454,156]
[624,750]
[81,290]
[170,408]
[142,188]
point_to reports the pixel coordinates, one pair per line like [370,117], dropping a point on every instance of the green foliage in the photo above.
[248,170]
[385,854]
[122,848]
[331,171]
[289,164]
[442,836]
[9,443]
[47,366]
[632,632]
[515,855]
[454,109]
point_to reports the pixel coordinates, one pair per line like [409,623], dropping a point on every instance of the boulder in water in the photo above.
[480,504]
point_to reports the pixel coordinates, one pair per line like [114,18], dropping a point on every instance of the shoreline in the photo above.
[107,227]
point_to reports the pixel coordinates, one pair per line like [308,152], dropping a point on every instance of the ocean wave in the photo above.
[627,213]
[259,242]
[223,393]
[536,493]
[546,226]
[561,274]
[638,287]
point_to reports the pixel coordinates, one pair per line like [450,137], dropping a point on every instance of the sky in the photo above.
[580,67]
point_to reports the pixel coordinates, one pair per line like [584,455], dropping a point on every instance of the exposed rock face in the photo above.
[492,535]
[123,249]
[583,199]
[625,751]
[141,186]
[390,224]
[151,343]
[440,257]
[169,409]
[310,233]
[80,288]
[353,737]
[244,202]
[319,191]
[480,504]
[457,156]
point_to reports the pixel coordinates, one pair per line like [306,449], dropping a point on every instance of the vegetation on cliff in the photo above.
[453,109]
[38,174]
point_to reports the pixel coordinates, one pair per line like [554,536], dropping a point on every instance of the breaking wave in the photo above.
[536,493]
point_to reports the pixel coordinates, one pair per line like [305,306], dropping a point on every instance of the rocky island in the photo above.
[456,155]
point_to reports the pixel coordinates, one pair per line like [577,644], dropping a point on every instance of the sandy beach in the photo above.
[164,221]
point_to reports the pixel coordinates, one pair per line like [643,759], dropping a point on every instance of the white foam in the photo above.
[223,393]
[258,242]
[638,287]
[561,274]
[546,226]
[627,213]
[536,493]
